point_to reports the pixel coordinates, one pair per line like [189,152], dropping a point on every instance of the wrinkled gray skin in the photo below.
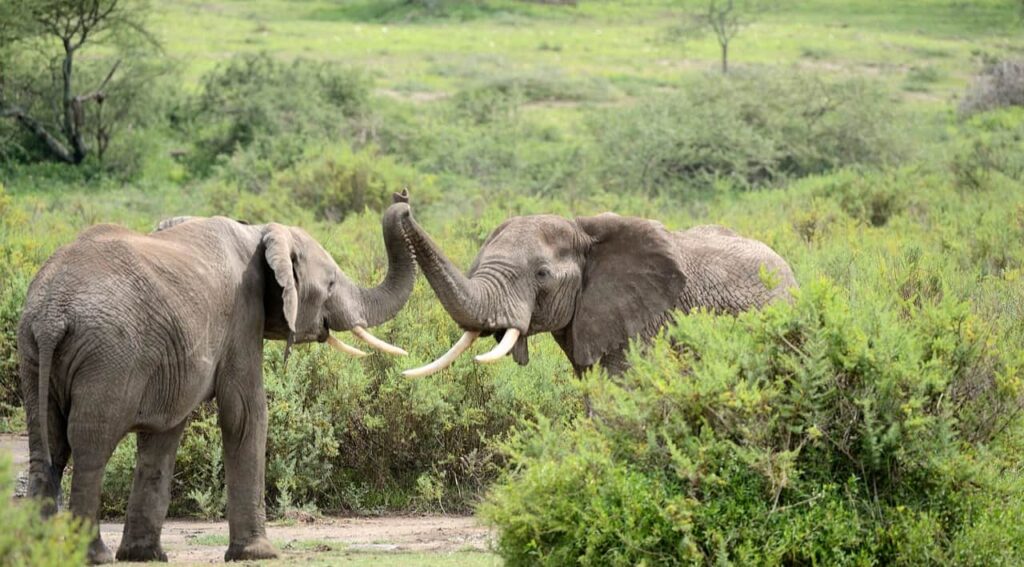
[127,332]
[595,282]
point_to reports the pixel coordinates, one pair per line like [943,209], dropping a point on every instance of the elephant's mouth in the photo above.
[325,331]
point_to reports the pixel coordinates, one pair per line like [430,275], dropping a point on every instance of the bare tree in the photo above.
[58,30]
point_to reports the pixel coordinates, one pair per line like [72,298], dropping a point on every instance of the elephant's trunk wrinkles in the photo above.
[383,302]
[461,297]
[464,299]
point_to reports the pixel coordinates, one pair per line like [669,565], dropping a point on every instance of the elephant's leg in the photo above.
[243,421]
[151,494]
[91,447]
[45,480]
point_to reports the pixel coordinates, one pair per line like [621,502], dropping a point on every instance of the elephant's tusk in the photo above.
[503,348]
[376,343]
[446,359]
[341,346]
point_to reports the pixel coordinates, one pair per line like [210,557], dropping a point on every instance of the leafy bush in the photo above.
[999,85]
[265,109]
[991,150]
[338,181]
[536,85]
[749,129]
[813,433]
[28,540]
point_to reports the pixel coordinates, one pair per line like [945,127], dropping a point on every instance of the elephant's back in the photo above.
[729,272]
[111,274]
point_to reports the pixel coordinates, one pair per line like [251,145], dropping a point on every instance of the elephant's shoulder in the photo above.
[715,230]
[104,231]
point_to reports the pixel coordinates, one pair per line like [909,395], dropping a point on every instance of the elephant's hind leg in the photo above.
[151,494]
[92,440]
[44,480]
[91,447]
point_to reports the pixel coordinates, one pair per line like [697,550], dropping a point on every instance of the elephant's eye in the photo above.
[543,274]
[330,285]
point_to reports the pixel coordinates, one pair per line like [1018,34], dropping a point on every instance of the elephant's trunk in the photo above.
[382,303]
[461,297]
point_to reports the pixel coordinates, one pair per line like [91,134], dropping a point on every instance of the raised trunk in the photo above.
[383,302]
[459,295]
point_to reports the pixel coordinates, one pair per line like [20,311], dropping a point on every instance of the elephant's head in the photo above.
[317,298]
[594,282]
[306,295]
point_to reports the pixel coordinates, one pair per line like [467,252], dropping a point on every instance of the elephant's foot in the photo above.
[137,552]
[259,548]
[98,552]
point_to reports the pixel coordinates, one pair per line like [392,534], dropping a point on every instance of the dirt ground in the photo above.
[419,539]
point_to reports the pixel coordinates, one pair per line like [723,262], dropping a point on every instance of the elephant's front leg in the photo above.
[243,422]
[151,494]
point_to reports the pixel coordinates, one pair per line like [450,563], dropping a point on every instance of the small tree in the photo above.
[724,18]
[37,34]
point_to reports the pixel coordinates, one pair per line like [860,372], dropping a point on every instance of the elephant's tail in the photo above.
[47,345]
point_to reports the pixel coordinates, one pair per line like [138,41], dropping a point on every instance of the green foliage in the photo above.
[28,540]
[256,114]
[824,432]
[337,181]
[917,338]
[991,151]
[422,10]
[749,129]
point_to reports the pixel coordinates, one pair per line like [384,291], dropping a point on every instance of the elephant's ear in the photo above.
[631,282]
[277,243]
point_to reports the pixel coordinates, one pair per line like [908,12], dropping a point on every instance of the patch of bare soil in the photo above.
[16,445]
[418,97]
[191,542]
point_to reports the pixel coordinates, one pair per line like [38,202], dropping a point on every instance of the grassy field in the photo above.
[901,216]
[931,47]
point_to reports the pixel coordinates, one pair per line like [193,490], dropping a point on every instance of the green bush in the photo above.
[825,432]
[269,112]
[747,129]
[337,181]
[26,540]
[991,150]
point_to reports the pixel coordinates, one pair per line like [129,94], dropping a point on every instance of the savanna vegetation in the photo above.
[877,147]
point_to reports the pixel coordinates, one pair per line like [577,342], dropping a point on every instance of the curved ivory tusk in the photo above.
[503,348]
[446,359]
[341,346]
[376,343]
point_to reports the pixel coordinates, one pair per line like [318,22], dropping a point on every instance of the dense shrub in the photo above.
[991,150]
[337,181]
[269,112]
[826,432]
[748,129]
[26,540]
[484,139]
[534,86]
[1000,84]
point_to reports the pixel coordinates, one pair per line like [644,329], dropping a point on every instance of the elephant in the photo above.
[593,283]
[126,332]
